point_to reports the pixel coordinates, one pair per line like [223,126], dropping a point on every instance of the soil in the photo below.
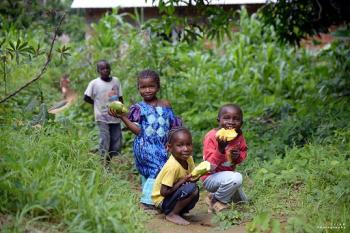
[201,222]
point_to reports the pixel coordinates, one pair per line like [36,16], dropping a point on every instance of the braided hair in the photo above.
[149,74]
[176,130]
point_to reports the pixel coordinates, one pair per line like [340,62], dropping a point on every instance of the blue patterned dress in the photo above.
[149,145]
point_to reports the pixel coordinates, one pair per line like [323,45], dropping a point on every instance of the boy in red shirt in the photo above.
[223,183]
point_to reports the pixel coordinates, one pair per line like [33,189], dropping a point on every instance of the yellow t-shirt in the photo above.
[171,172]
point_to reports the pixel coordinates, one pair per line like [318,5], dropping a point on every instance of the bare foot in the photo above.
[176,219]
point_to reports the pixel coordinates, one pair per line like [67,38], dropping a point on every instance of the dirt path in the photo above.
[201,222]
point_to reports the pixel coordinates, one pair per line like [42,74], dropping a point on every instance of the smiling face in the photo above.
[230,117]
[180,145]
[104,69]
[148,88]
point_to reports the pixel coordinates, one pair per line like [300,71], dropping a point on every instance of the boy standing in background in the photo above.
[99,93]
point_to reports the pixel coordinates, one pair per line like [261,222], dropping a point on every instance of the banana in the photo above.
[226,134]
[200,170]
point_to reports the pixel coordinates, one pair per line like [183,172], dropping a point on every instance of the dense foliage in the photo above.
[295,20]
[296,113]
[292,20]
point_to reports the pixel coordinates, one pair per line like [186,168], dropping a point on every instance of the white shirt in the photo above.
[102,93]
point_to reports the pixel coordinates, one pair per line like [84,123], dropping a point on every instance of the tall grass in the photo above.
[47,174]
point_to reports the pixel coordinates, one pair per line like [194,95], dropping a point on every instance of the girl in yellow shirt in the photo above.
[174,192]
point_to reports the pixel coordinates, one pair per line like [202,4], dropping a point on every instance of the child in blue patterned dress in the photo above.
[150,120]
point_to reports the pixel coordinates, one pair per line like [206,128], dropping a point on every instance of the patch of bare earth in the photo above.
[201,222]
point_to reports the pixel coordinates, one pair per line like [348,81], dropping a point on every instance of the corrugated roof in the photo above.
[148,3]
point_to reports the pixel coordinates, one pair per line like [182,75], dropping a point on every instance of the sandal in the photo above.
[208,201]
[209,198]
[219,206]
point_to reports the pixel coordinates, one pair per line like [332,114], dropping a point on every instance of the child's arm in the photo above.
[129,124]
[213,151]
[129,118]
[89,93]
[239,153]
[221,145]
[166,190]
[88,99]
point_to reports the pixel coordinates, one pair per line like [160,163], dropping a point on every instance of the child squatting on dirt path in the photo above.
[174,192]
[99,93]
[223,183]
[151,121]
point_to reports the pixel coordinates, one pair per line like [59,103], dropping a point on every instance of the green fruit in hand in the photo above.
[117,107]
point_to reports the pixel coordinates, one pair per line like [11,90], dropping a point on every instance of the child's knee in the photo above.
[235,179]
[196,192]
[190,187]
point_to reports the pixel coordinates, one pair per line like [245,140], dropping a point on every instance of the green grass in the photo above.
[48,175]
[307,185]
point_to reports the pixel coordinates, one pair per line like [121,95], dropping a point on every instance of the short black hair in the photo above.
[176,130]
[149,74]
[100,62]
[235,106]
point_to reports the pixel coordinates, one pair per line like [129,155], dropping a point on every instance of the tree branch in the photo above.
[43,69]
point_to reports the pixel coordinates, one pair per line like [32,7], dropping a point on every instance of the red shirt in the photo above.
[212,154]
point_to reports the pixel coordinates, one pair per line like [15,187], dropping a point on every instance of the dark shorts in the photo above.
[183,192]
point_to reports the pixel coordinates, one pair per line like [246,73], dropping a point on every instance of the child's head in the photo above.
[180,143]
[230,117]
[148,84]
[103,68]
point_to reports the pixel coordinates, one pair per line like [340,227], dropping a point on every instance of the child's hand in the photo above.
[184,180]
[112,113]
[235,154]
[194,179]
[115,114]
[212,167]
[222,145]
[187,177]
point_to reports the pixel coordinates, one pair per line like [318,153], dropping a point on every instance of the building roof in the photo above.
[148,3]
